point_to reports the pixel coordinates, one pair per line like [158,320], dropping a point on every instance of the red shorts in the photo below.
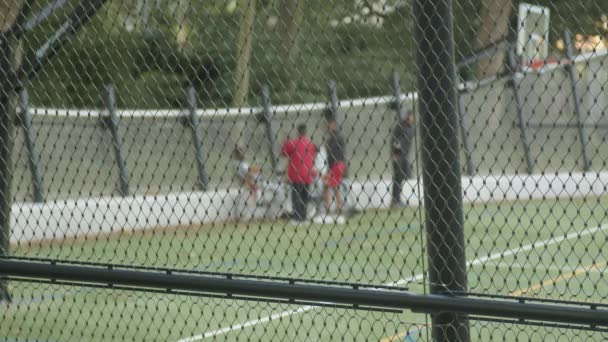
[335,175]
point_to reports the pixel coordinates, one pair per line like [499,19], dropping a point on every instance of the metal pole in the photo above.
[201,157]
[333,101]
[577,108]
[28,132]
[464,133]
[441,167]
[270,133]
[519,108]
[255,289]
[7,115]
[117,141]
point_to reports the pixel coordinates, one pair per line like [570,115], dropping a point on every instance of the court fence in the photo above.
[164,173]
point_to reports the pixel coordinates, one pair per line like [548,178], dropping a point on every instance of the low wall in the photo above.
[88,217]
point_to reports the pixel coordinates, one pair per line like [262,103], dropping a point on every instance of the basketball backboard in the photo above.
[532,32]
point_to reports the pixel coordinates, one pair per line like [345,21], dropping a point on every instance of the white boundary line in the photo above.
[526,267]
[418,277]
[532,268]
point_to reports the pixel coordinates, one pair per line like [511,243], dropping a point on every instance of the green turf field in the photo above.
[520,248]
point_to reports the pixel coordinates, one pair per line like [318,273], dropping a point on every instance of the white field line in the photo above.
[528,267]
[565,269]
[248,324]
[418,277]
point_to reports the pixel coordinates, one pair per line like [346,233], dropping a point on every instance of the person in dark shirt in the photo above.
[337,168]
[401,140]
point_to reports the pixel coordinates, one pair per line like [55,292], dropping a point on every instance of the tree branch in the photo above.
[16,30]
[36,59]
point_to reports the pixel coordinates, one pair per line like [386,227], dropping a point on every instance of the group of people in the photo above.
[302,173]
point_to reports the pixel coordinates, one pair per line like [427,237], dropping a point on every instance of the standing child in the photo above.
[337,169]
[401,141]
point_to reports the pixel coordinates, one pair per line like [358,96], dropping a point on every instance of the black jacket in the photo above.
[401,141]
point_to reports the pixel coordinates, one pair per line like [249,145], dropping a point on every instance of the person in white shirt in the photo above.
[247,175]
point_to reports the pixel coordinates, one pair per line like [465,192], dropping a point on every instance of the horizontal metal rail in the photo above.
[312,293]
[521,299]
[229,275]
[203,295]
[489,50]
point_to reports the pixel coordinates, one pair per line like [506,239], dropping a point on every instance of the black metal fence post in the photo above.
[577,107]
[464,133]
[441,167]
[30,145]
[7,116]
[270,133]
[201,157]
[523,126]
[119,154]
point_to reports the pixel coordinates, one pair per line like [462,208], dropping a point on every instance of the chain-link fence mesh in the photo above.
[283,140]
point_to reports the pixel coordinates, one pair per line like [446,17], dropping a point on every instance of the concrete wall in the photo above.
[77,158]
[89,217]
[491,119]
[80,177]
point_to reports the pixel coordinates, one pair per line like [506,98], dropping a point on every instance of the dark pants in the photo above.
[300,195]
[401,172]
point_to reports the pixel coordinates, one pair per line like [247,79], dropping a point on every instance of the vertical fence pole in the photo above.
[201,157]
[8,59]
[34,159]
[441,167]
[270,133]
[119,154]
[577,107]
[397,96]
[464,133]
[523,127]
[333,101]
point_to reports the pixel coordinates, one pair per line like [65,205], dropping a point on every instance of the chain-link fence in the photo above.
[373,170]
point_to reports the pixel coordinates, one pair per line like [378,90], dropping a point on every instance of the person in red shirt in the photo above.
[300,171]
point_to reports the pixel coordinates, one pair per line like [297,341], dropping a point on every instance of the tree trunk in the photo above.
[10,55]
[494,25]
[244,52]
[290,18]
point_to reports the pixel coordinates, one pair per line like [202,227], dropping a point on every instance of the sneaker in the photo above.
[311,213]
[294,222]
[323,219]
[340,220]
